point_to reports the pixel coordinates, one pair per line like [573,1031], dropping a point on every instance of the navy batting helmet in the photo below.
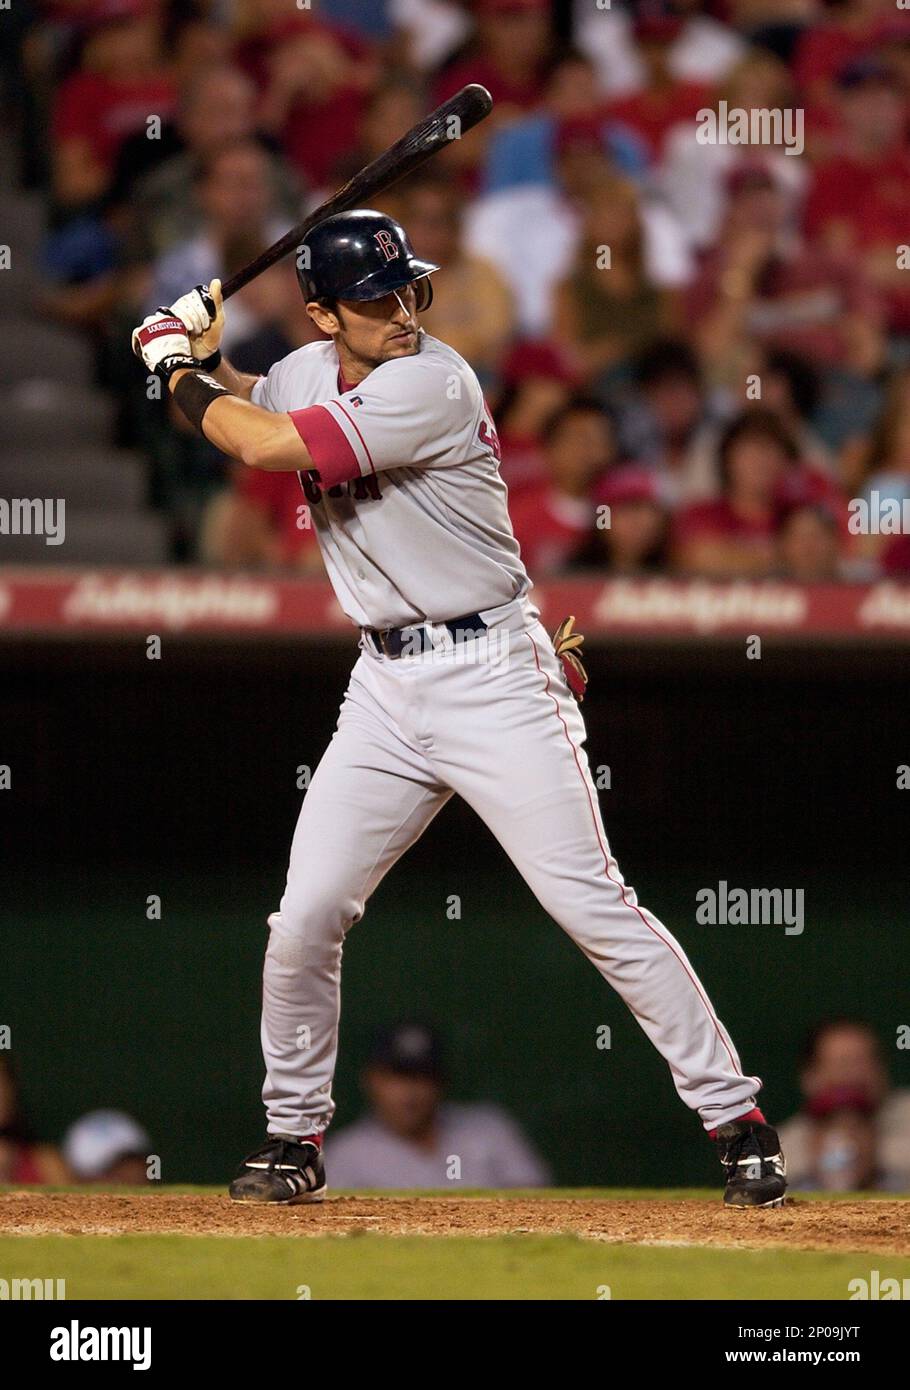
[360,255]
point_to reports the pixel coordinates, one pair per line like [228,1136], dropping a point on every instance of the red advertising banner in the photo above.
[121,602]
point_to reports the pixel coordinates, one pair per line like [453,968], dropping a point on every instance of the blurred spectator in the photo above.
[664,100]
[120,83]
[545,221]
[667,421]
[164,207]
[607,309]
[107,1146]
[810,544]
[695,178]
[234,194]
[393,109]
[857,206]
[552,518]
[700,49]
[792,388]
[262,520]
[632,528]
[433,30]
[22,1160]
[536,382]
[411,1134]
[525,150]
[854,1129]
[849,30]
[887,464]
[508,54]
[315,78]
[472,306]
[727,263]
[736,534]
[763,285]
[193,48]
[371,18]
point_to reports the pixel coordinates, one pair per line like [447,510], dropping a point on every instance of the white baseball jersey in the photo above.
[409,508]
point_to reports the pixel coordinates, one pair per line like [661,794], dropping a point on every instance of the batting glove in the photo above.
[162,343]
[202,310]
[567,644]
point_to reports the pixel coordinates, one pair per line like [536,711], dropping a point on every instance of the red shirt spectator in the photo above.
[553,517]
[122,82]
[550,527]
[316,80]
[762,286]
[103,111]
[720,519]
[735,534]
[653,113]
[510,54]
[824,49]
[663,101]
[283,504]
[857,204]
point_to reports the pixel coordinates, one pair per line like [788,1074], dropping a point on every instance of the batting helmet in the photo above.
[360,255]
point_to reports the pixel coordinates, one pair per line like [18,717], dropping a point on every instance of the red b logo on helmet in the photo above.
[388,245]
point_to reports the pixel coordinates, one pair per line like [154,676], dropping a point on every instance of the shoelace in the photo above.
[744,1144]
[276,1152]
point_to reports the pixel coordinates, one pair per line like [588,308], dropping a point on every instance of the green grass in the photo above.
[387,1267]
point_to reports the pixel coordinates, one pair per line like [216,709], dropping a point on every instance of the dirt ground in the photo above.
[871,1225]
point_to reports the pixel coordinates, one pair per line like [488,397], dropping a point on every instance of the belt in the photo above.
[395,642]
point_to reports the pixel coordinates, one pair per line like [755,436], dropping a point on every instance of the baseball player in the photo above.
[457,687]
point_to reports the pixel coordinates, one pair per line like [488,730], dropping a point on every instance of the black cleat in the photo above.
[283,1170]
[755,1167]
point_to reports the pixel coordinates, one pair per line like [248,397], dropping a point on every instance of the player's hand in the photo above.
[202,310]
[162,343]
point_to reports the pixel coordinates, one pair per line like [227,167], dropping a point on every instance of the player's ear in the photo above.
[325,319]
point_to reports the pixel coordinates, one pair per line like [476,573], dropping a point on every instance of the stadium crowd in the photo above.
[697,350]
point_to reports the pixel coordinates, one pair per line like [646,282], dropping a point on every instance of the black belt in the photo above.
[411,641]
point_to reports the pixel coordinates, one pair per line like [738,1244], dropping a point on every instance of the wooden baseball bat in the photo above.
[449,121]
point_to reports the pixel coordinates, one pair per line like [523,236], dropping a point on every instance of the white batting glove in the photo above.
[162,343]
[202,310]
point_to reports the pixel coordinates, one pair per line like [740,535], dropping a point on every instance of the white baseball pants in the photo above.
[494,721]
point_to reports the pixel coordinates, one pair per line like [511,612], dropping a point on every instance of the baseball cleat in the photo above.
[284,1170]
[755,1167]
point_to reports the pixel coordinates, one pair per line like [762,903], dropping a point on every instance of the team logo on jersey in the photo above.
[356,400]
[490,439]
[387,244]
[358,489]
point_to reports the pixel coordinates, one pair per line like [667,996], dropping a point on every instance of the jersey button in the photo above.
[360,574]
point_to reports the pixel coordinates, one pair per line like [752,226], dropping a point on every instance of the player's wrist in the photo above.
[169,368]
[194,392]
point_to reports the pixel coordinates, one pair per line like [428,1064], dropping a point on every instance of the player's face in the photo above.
[370,332]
